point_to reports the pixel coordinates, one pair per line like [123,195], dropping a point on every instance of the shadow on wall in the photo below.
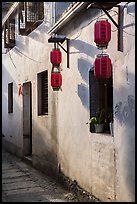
[130,12]
[21,42]
[83,89]
[83,47]
[83,95]
[76,24]
[124,113]
[46,139]
[8,119]
[84,66]
[131,7]
[129,25]
[45,152]
[7,75]
[38,35]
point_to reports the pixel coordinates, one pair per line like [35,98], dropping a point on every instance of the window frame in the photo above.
[97,98]
[42,98]
[10,97]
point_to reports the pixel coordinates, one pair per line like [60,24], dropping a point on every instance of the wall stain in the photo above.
[126,113]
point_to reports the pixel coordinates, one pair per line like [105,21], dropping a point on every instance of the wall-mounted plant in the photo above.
[98,120]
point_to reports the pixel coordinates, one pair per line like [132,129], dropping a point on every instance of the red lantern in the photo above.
[102,66]
[102,33]
[56,80]
[55,57]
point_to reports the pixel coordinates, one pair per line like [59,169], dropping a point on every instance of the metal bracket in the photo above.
[67,51]
[60,39]
[119,26]
[105,11]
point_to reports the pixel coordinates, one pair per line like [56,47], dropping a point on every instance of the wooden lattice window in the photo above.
[31,15]
[9,33]
[10,98]
[42,79]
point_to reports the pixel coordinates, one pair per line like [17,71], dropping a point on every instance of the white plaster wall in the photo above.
[83,156]
[11,123]
[108,165]
[21,64]
[124,108]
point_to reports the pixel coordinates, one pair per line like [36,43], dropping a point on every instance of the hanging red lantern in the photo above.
[56,80]
[102,33]
[55,56]
[102,66]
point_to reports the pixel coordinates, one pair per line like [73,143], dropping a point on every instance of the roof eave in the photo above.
[10,12]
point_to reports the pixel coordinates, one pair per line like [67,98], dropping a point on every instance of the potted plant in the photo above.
[98,121]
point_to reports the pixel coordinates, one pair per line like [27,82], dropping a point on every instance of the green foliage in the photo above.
[99,118]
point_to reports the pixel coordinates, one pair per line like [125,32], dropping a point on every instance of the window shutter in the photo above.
[44,89]
[43,93]
[10,98]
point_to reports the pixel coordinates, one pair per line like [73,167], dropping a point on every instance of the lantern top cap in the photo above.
[102,19]
[56,49]
[102,55]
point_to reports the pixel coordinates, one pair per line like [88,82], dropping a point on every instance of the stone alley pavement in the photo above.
[22,183]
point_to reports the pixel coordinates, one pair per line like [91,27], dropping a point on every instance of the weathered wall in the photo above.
[21,64]
[124,109]
[78,147]
[101,164]
[108,168]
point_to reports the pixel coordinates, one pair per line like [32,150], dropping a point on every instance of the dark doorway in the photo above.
[27,119]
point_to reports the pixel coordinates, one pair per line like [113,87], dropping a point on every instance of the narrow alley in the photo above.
[22,183]
[68,101]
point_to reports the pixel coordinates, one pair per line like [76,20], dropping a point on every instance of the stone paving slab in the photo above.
[19,185]
[7,167]
[10,171]
[22,183]
[17,179]
[14,174]
[27,196]
[23,191]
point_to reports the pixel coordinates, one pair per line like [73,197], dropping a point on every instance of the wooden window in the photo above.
[31,15]
[9,33]
[42,79]
[101,97]
[10,98]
